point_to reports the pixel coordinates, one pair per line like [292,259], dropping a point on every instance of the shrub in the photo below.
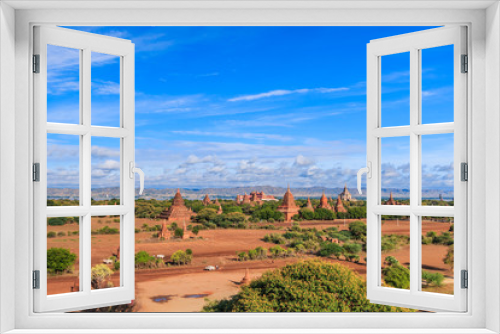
[391,260]
[117,265]
[179,233]
[100,273]
[142,258]
[51,234]
[59,260]
[108,230]
[57,221]
[181,257]
[435,279]
[330,248]
[61,234]
[449,258]
[242,256]
[308,286]
[397,276]
[351,251]
[357,229]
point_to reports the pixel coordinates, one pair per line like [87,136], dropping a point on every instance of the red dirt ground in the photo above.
[218,247]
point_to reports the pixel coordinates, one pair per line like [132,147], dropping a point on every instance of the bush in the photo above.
[51,234]
[351,251]
[432,279]
[449,258]
[108,230]
[100,273]
[357,229]
[179,233]
[391,260]
[59,260]
[181,257]
[61,234]
[57,221]
[330,248]
[117,265]
[397,276]
[308,286]
[142,258]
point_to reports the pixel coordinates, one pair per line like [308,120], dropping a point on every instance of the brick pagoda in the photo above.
[323,203]
[178,211]
[289,208]
[309,205]
[391,201]
[339,206]
[206,200]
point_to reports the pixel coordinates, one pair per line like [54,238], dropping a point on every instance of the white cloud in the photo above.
[241,135]
[281,92]
[104,152]
[300,160]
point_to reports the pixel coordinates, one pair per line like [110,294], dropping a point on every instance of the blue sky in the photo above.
[245,106]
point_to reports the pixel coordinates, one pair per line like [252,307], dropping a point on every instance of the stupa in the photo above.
[309,205]
[206,200]
[339,206]
[323,203]
[164,232]
[289,208]
[178,211]
[391,201]
[246,279]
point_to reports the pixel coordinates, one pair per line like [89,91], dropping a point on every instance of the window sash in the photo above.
[86,297]
[413,43]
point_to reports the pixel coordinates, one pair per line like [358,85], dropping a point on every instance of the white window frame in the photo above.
[414,43]
[483,212]
[85,43]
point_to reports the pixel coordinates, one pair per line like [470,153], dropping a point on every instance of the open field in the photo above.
[171,286]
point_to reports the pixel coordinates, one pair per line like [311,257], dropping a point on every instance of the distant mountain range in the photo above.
[230,193]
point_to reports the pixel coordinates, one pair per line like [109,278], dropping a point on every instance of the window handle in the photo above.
[133,170]
[368,171]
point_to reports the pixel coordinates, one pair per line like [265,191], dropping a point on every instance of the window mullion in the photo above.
[414,169]
[85,187]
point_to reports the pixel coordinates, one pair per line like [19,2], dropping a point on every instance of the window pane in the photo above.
[105,256]
[63,255]
[437,170]
[105,89]
[395,252]
[437,84]
[105,171]
[63,84]
[395,171]
[63,170]
[437,254]
[395,89]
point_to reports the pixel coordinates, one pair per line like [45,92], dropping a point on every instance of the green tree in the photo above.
[179,233]
[307,214]
[59,260]
[307,286]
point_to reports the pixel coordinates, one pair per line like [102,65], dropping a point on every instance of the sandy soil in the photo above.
[218,247]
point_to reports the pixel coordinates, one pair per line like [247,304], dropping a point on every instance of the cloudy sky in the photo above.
[241,106]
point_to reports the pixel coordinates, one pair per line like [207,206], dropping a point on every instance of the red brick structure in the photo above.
[323,203]
[391,201]
[178,211]
[255,198]
[246,279]
[164,232]
[339,206]
[309,205]
[206,200]
[246,199]
[289,208]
